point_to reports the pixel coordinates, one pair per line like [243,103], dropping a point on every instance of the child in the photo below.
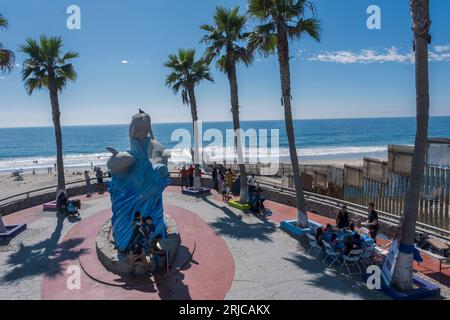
[224,191]
[147,230]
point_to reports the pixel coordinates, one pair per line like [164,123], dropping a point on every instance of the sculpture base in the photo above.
[118,263]
[196,193]
[11,232]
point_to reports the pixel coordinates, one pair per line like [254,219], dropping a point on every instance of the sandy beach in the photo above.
[42,179]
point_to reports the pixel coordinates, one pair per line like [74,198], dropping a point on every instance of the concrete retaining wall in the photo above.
[37,200]
[271,194]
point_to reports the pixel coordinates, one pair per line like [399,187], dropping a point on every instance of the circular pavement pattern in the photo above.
[204,267]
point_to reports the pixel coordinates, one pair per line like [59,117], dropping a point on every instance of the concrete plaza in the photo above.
[225,254]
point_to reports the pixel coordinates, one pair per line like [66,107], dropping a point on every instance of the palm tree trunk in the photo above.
[193,104]
[232,78]
[285,76]
[58,137]
[403,274]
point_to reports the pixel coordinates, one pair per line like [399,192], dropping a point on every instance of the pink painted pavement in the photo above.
[208,275]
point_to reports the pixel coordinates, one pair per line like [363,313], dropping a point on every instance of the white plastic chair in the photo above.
[330,254]
[352,260]
[313,245]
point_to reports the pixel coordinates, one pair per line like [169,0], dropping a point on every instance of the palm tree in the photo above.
[281,21]
[186,73]
[224,39]
[6,56]
[403,274]
[47,69]
[6,65]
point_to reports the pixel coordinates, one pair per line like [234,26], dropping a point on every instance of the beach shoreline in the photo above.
[43,179]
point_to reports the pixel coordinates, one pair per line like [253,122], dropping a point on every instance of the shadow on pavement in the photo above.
[233,226]
[34,260]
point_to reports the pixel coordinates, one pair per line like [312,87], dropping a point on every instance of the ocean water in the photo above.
[315,139]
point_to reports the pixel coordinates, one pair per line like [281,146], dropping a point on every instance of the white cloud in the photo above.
[366,56]
[442,48]
[124,62]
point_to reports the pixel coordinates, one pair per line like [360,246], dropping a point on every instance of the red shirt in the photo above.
[191,171]
[183,173]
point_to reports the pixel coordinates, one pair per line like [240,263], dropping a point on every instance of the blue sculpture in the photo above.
[137,182]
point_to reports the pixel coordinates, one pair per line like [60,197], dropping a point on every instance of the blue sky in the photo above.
[352,72]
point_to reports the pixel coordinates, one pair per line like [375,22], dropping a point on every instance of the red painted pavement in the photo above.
[33,214]
[429,266]
[208,276]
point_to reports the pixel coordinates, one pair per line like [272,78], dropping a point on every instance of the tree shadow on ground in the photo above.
[169,286]
[234,227]
[33,260]
[330,279]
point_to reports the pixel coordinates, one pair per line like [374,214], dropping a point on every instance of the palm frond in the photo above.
[45,65]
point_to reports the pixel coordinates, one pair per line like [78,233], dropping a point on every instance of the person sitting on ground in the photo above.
[137,254]
[342,219]
[72,208]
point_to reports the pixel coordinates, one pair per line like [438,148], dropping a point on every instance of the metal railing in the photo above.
[354,208]
[360,210]
[25,195]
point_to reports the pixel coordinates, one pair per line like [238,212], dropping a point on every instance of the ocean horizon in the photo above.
[316,139]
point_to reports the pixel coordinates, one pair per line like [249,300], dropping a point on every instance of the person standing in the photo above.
[372,222]
[191,176]
[342,219]
[221,178]
[215,179]
[184,178]
[99,176]
[252,183]
[88,184]
[229,178]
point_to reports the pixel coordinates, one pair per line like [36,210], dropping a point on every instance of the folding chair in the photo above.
[352,260]
[366,257]
[313,245]
[330,254]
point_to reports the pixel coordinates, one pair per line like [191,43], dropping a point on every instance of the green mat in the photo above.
[237,205]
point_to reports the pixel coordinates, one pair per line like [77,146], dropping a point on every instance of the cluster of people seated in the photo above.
[144,242]
[66,206]
[349,243]
[352,240]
